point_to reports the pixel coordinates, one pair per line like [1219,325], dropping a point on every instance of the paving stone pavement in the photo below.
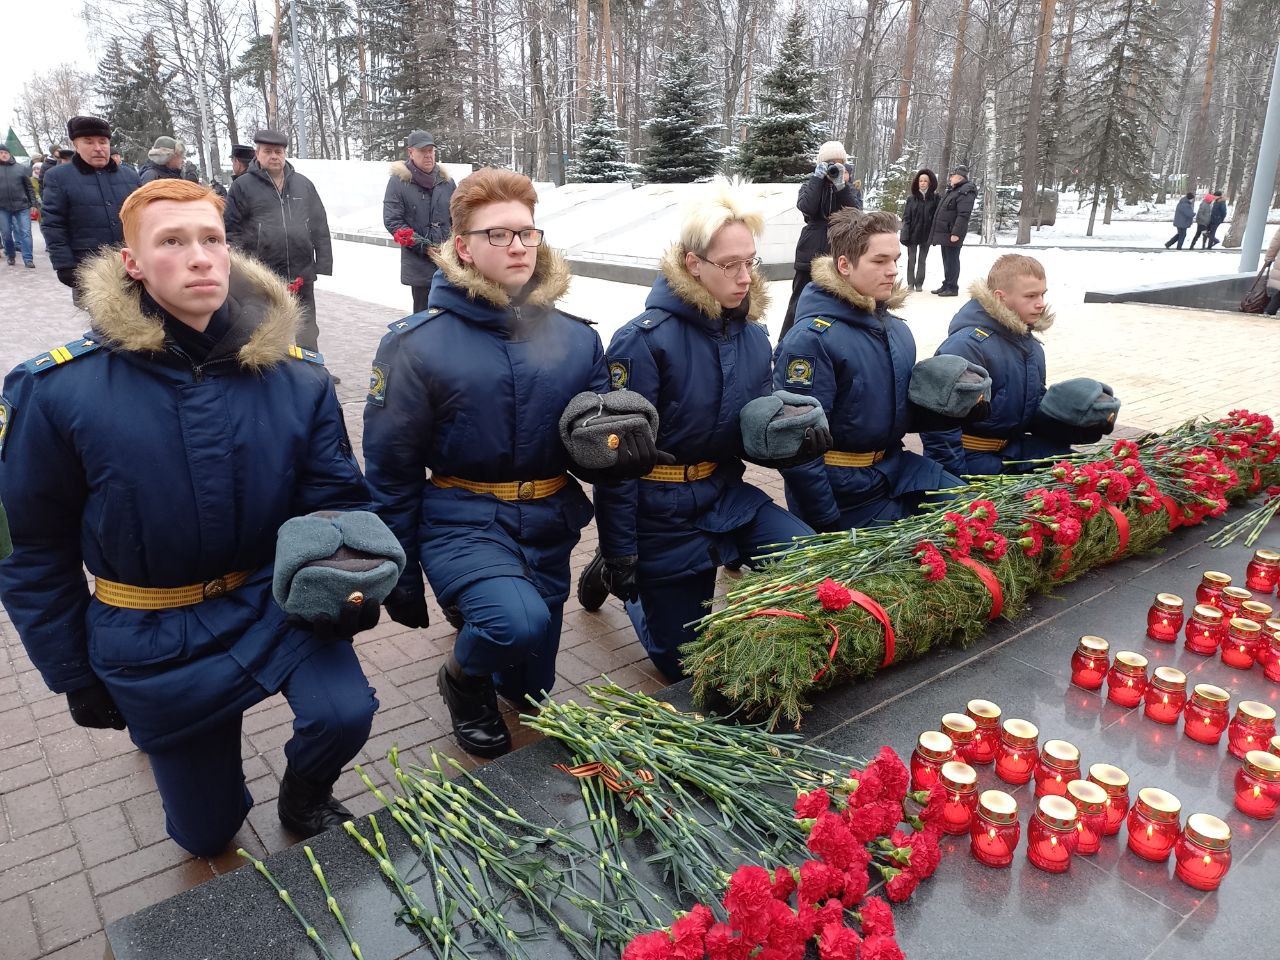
[82,838]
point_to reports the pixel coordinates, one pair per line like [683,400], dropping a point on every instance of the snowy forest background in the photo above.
[1119,100]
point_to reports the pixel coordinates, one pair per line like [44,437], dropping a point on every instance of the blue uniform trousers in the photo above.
[511,632]
[664,610]
[201,779]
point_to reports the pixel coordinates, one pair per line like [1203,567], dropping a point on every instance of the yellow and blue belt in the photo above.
[681,473]
[982,444]
[165,598]
[840,458]
[508,490]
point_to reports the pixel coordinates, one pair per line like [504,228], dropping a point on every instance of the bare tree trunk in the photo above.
[1199,152]
[908,73]
[1240,212]
[273,100]
[991,176]
[751,61]
[953,92]
[584,61]
[606,46]
[1031,128]
[541,128]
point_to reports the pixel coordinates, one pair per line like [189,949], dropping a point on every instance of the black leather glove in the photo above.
[637,456]
[93,707]
[622,577]
[67,276]
[355,617]
[831,526]
[409,611]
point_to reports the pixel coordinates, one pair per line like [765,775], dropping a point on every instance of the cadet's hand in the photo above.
[408,611]
[355,617]
[637,456]
[621,575]
[981,410]
[67,276]
[93,707]
[816,442]
[954,238]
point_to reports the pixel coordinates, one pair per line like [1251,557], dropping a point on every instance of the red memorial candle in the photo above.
[1164,619]
[1116,784]
[1127,679]
[1263,572]
[1090,662]
[1268,654]
[933,749]
[1091,803]
[1058,765]
[1153,824]
[1203,853]
[1166,695]
[1232,600]
[994,834]
[1204,630]
[1251,728]
[1211,586]
[961,783]
[1052,835]
[1205,717]
[1273,747]
[1241,643]
[986,735]
[1258,785]
[1257,611]
[1016,757]
[960,728]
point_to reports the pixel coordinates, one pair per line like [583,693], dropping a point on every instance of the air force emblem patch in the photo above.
[800,371]
[378,385]
[6,417]
[619,374]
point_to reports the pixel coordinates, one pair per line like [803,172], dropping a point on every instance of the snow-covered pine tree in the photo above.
[684,142]
[783,136]
[601,151]
[894,187]
[131,96]
[1118,110]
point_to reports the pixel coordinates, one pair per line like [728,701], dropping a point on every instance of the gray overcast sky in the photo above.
[39,31]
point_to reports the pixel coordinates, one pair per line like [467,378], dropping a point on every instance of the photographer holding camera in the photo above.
[829,189]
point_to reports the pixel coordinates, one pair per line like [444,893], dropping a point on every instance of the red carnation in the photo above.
[983,513]
[932,563]
[693,926]
[649,946]
[881,948]
[295,284]
[784,883]
[830,912]
[812,804]
[893,772]
[995,547]
[748,898]
[838,942]
[818,881]
[932,812]
[870,786]
[856,882]
[832,840]
[404,236]
[832,596]
[877,917]
[901,884]
[722,944]
[1068,532]
[786,933]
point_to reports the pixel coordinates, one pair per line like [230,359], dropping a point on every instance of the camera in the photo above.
[836,171]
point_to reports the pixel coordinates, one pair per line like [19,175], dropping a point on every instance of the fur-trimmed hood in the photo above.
[825,275]
[261,309]
[1004,316]
[550,280]
[685,286]
[400,170]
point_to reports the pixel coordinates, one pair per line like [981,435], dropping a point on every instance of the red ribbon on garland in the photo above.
[867,604]
[877,611]
[1175,512]
[1122,528]
[1256,485]
[792,615]
[989,581]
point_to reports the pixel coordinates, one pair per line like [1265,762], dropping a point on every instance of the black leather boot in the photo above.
[592,590]
[473,711]
[308,808]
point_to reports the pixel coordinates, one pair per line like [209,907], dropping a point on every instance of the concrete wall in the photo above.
[1208,293]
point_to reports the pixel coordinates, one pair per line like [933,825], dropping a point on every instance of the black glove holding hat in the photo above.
[92,706]
[947,392]
[408,610]
[611,436]
[1074,411]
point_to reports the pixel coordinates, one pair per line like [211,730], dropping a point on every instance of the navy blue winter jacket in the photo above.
[81,209]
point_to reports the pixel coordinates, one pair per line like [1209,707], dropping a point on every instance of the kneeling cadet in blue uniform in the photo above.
[848,351]
[473,389]
[699,353]
[997,329]
[163,451]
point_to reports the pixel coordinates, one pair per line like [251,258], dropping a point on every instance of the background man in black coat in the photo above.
[917,225]
[274,213]
[827,190]
[417,199]
[950,225]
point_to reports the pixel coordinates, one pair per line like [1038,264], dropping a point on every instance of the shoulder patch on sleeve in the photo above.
[650,319]
[378,384]
[800,371]
[414,320]
[6,417]
[60,355]
[298,353]
[979,333]
[818,324]
[620,373]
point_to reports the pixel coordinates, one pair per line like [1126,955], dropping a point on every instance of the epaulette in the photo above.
[651,319]
[60,355]
[819,325]
[414,320]
[979,334]
[298,353]
[574,316]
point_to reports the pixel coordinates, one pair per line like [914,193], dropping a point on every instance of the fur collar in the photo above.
[1004,316]
[260,300]
[401,170]
[824,273]
[686,286]
[549,283]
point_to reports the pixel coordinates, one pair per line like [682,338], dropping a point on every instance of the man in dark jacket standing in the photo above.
[1217,216]
[829,189]
[951,225]
[164,160]
[417,200]
[274,213]
[1183,217]
[17,200]
[241,157]
[82,200]
[917,225]
[1204,213]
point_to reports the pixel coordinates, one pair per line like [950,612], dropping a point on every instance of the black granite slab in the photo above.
[1109,905]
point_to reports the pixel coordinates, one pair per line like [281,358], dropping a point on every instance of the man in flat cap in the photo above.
[951,226]
[417,200]
[241,157]
[82,200]
[274,213]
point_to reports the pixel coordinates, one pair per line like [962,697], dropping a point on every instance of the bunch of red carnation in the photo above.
[406,237]
[858,828]
[1205,476]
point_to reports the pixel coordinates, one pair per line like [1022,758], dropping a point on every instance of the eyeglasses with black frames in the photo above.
[504,236]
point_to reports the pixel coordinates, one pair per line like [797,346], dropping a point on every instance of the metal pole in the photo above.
[299,111]
[1264,176]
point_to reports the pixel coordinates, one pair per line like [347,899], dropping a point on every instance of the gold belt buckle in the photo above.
[690,472]
[215,588]
[525,491]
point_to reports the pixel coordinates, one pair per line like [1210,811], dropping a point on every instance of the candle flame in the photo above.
[1150,831]
[1053,841]
[1257,792]
[1166,699]
[1208,860]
